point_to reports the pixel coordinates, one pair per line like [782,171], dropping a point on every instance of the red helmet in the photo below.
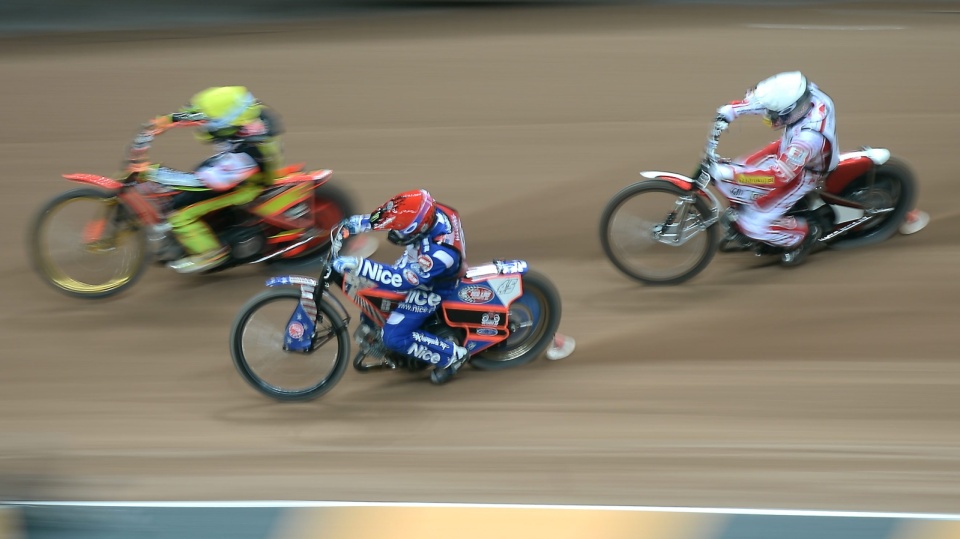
[408,216]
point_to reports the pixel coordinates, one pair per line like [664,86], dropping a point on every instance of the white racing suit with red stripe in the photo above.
[770,181]
[429,271]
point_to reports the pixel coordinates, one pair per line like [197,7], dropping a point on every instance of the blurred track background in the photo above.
[832,386]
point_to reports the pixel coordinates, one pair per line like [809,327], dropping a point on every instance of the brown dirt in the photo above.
[832,386]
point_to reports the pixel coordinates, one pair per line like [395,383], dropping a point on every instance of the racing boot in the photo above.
[442,375]
[561,347]
[796,255]
[200,262]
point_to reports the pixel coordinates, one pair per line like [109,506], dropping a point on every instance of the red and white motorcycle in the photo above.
[665,229]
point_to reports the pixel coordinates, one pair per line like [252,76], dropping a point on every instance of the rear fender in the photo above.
[94,179]
[853,165]
[320,177]
[299,188]
[482,303]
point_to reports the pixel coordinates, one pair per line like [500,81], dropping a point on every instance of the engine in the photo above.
[245,242]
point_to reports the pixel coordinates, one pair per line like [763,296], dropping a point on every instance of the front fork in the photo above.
[100,233]
[300,332]
[676,230]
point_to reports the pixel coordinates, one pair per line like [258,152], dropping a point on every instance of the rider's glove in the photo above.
[142,141]
[343,264]
[725,114]
[357,224]
[720,171]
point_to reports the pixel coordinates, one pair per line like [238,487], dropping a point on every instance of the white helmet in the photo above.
[786,96]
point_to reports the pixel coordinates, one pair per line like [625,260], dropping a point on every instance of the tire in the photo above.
[893,183]
[701,247]
[120,233]
[540,302]
[332,326]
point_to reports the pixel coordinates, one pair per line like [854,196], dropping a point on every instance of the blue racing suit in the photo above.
[429,270]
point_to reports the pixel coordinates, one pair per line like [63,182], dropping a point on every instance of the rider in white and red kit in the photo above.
[770,181]
[429,269]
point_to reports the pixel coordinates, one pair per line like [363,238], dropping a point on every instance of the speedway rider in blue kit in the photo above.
[429,271]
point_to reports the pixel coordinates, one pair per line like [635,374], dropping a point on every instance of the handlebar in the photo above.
[337,234]
[137,151]
[710,152]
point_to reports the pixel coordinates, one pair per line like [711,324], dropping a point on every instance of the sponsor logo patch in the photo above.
[475,294]
[411,277]
[376,272]
[755,180]
[425,262]
[423,353]
[486,332]
[796,156]
[295,330]
[421,297]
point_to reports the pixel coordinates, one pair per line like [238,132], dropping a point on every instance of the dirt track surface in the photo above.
[832,386]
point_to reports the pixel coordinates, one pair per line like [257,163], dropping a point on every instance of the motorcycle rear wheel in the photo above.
[627,234]
[256,346]
[893,186]
[533,318]
[333,204]
[92,253]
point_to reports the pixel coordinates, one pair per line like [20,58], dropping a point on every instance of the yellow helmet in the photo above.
[226,109]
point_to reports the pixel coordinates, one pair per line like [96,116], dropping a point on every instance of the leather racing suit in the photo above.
[770,181]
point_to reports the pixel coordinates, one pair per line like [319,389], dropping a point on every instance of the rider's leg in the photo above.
[764,218]
[402,332]
[186,221]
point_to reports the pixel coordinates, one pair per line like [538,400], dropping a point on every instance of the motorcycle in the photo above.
[94,241]
[292,342]
[666,229]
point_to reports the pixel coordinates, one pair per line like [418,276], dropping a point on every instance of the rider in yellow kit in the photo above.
[245,134]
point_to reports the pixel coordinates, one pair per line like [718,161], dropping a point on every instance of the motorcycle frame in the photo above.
[293,187]
[853,165]
[309,286]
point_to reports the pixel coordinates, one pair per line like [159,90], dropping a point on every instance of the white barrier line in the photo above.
[297,504]
[823,27]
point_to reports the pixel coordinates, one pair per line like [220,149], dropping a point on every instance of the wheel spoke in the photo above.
[258,347]
[642,239]
[82,248]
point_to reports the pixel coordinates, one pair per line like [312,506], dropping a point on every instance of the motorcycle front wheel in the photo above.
[637,228]
[88,244]
[257,347]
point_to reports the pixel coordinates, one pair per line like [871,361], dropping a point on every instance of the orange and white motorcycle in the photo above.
[95,241]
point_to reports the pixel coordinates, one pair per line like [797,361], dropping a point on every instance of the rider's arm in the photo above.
[358,224]
[748,106]
[426,268]
[227,170]
[761,154]
[220,173]
[137,152]
[806,149]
